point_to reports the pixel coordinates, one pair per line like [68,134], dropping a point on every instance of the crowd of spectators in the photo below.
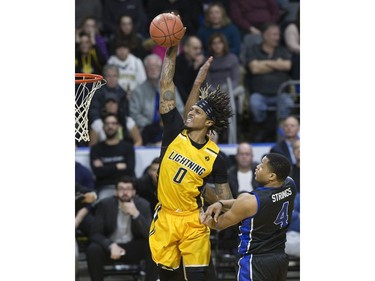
[255,45]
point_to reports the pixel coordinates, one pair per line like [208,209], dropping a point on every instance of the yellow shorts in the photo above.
[173,235]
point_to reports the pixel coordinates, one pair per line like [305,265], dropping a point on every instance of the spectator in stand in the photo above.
[269,65]
[225,63]
[128,130]
[120,231]
[241,176]
[187,65]
[114,9]
[125,32]
[250,15]
[144,102]
[85,195]
[216,20]
[113,89]
[85,8]
[111,98]
[88,58]
[131,70]
[89,25]
[291,39]
[147,183]
[290,127]
[111,158]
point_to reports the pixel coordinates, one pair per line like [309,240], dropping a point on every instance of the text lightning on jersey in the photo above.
[187,163]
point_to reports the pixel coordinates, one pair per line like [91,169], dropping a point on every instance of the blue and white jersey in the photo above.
[265,232]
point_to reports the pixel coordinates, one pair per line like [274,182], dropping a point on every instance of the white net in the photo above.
[84,93]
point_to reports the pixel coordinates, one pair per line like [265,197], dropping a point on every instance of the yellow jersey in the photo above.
[182,172]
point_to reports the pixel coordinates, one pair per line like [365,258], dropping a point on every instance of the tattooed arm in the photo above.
[167,87]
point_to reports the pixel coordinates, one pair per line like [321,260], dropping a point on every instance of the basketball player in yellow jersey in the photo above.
[188,157]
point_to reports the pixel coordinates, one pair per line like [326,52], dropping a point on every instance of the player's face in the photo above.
[125,191]
[196,118]
[262,172]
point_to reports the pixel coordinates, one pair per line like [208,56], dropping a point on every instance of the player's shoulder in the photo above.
[289,182]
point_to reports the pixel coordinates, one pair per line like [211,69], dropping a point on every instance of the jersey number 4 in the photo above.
[282,216]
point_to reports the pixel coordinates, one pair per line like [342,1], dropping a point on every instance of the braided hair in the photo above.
[220,104]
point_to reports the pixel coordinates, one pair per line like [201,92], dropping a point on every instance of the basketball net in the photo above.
[86,86]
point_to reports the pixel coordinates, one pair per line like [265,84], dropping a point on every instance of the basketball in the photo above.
[167,30]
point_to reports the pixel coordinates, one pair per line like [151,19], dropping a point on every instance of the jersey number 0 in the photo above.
[179,175]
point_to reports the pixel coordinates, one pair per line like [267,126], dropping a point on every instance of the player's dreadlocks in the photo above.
[220,105]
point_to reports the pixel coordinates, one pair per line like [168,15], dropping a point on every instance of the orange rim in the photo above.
[87,78]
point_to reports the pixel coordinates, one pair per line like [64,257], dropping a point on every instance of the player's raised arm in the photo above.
[194,93]
[167,88]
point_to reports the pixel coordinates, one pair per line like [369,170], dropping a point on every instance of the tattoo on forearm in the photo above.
[168,95]
[167,101]
[169,65]
[223,191]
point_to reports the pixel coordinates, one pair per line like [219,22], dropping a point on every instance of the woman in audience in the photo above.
[217,20]
[88,58]
[89,25]
[225,63]
[125,32]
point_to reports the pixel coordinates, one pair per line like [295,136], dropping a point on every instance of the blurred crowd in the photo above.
[255,45]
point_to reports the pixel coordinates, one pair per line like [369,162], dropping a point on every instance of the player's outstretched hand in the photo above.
[202,74]
[213,211]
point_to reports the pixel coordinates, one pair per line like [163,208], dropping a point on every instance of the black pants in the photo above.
[136,251]
[271,267]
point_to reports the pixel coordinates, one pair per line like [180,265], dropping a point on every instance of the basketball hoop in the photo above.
[86,86]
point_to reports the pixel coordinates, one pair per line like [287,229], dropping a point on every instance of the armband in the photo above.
[222,204]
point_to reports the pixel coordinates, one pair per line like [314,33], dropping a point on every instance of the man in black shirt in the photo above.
[110,159]
[268,66]
[264,216]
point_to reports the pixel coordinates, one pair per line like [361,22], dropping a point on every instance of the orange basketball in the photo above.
[167,30]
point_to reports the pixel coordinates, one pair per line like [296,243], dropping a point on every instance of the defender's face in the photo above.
[262,172]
